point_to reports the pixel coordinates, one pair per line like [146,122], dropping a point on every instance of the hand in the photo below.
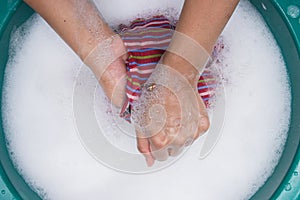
[170,114]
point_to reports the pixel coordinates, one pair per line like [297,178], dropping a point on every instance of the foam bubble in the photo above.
[39,125]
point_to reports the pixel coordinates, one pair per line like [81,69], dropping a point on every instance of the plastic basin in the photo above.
[284,22]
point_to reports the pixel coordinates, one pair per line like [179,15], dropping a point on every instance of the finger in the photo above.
[159,141]
[165,143]
[203,121]
[204,124]
[143,146]
[159,154]
[159,146]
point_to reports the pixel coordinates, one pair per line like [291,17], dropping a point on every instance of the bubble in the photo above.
[295,173]
[288,187]
[293,11]
[3,192]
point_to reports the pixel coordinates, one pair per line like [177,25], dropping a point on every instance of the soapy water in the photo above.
[39,125]
[96,133]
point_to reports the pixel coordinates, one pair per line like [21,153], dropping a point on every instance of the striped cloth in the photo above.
[146,41]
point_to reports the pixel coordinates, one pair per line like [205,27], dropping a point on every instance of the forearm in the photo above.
[202,21]
[78,22]
[81,26]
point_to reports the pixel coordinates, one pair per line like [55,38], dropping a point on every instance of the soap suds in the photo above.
[40,129]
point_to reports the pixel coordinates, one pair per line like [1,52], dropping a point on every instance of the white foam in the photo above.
[131,9]
[39,124]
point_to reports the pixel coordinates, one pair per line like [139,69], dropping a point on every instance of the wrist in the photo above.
[105,53]
[183,67]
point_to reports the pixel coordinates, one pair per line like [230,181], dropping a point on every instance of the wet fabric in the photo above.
[146,41]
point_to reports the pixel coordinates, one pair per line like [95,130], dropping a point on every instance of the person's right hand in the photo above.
[170,114]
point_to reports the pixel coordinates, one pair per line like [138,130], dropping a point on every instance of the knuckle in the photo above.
[204,124]
[142,145]
[141,148]
[158,143]
[181,141]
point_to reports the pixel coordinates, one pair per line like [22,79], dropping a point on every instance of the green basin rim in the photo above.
[285,29]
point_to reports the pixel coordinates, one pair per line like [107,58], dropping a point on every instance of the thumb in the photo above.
[143,146]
